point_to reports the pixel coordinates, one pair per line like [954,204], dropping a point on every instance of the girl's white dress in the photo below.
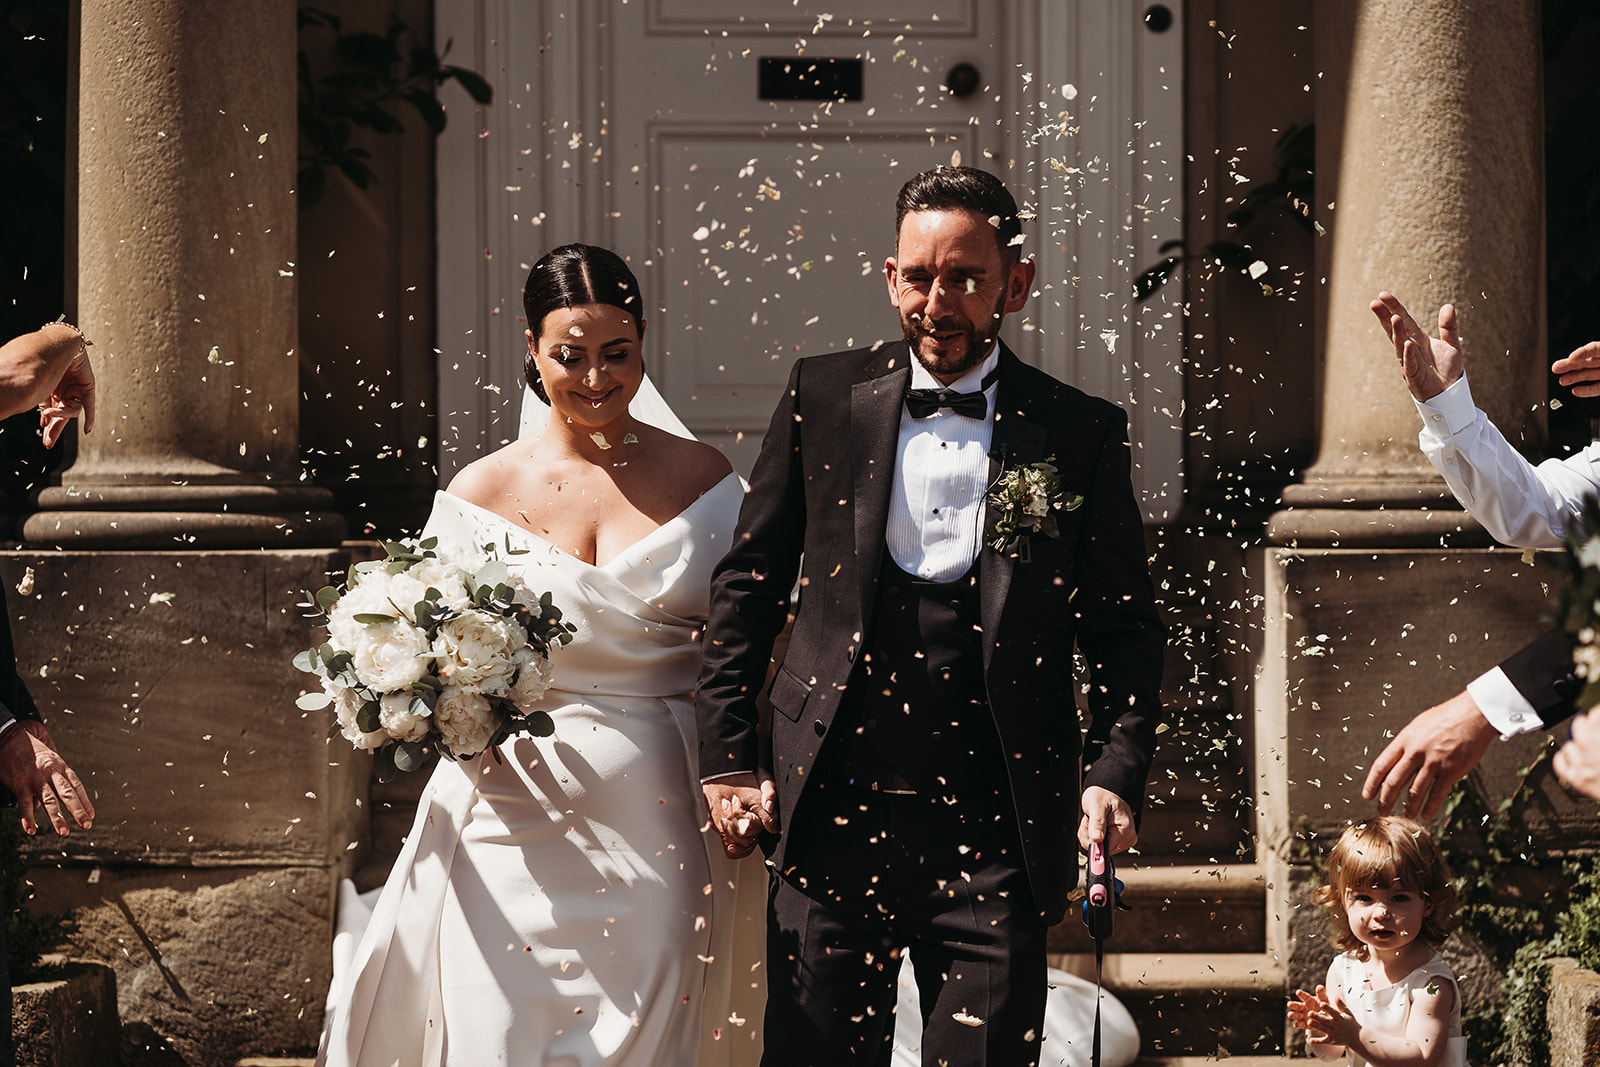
[1386,1010]
[564,908]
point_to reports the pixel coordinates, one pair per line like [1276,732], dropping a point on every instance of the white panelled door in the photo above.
[745,156]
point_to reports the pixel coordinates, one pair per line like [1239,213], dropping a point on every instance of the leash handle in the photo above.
[1100,905]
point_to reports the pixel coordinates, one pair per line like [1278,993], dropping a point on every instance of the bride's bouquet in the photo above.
[427,651]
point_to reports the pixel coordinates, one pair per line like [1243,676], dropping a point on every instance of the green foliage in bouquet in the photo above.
[29,935]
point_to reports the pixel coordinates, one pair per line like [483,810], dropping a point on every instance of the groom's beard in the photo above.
[973,349]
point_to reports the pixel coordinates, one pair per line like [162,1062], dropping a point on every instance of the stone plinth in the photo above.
[223,813]
[1356,643]
[69,1021]
[1573,1015]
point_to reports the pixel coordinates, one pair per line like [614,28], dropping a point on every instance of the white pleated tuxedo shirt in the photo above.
[941,474]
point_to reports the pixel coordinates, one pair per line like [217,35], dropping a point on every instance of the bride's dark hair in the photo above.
[571,276]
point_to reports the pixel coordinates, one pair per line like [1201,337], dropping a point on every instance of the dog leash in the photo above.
[1100,904]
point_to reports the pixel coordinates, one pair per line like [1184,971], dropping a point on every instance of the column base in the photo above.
[1379,514]
[184,517]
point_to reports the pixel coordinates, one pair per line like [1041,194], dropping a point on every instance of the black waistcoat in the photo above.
[916,705]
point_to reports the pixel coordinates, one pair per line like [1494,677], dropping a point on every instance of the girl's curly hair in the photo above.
[1383,852]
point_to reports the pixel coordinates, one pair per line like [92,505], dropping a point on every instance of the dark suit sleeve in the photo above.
[1120,633]
[1543,672]
[15,700]
[750,595]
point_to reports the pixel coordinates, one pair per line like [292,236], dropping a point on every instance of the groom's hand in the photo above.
[742,807]
[1107,819]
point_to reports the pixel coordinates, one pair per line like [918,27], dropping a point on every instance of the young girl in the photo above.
[1390,1000]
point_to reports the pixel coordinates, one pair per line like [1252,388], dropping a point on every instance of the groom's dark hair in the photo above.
[571,276]
[963,189]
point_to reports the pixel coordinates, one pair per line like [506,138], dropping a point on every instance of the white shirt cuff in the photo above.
[1506,709]
[1450,412]
[724,774]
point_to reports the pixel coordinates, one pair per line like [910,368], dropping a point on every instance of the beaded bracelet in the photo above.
[62,321]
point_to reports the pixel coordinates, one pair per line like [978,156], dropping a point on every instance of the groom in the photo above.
[925,748]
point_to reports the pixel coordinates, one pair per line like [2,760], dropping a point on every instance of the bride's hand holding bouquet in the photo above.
[426,651]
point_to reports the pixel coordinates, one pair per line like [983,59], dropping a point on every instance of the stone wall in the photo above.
[224,816]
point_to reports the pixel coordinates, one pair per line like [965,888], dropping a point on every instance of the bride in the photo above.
[564,907]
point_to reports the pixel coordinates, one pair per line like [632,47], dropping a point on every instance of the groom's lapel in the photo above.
[1019,439]
[874,438]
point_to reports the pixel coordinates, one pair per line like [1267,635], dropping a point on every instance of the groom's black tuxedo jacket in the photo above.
[820,492]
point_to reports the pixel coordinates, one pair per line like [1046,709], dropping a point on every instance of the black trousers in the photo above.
[874,874]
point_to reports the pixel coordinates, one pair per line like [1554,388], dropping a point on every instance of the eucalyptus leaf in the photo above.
[308,661]
[367,718]
[315,700]
[409,755]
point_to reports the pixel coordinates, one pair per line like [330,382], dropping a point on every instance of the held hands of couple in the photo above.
[32,769]
[743,807]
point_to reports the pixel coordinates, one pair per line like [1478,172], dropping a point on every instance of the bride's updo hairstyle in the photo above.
[571,276]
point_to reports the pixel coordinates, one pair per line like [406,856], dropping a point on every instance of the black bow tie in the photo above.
[924,402]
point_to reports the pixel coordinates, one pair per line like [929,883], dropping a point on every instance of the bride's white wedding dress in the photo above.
[560,908]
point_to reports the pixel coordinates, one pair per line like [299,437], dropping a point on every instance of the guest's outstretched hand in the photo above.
[34,771]
[1431,365]
[1577,763]
[71,396]
[1580,370]
[1433,752]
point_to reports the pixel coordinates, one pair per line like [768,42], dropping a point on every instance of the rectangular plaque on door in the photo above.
[810,78]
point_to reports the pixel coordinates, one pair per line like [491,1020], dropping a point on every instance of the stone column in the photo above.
[186,283]
[1431,184]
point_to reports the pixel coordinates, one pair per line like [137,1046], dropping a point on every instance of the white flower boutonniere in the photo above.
[1025,500]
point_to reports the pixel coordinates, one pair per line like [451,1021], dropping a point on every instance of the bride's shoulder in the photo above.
[691,462]
[486,480]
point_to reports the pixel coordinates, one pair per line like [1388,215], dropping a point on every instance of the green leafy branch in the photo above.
[377,75]
[1290,191]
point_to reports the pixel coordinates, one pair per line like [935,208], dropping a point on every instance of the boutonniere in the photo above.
[1024,501]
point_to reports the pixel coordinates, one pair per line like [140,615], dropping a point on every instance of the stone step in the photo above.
[1196,1005]
[1208,909]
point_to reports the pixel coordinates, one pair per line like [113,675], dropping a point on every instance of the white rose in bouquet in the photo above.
[478,651]
[412,585]
[465,720]
[370,596]
[395,712]
[345,706]
[533,681]
[391,655]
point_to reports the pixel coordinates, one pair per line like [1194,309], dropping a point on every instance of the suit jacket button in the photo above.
[871,724]
[819,728]
[937,736]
